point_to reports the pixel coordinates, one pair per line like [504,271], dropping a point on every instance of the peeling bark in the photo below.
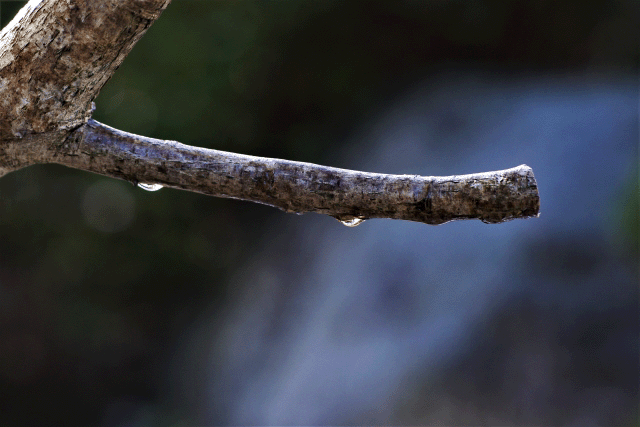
[56,55]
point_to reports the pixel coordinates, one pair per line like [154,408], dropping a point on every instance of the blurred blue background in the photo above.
[124,307]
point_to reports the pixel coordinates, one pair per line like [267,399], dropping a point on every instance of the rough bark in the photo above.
[56,55]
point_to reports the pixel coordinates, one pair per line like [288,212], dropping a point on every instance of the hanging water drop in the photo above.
[149,187]
[351,221]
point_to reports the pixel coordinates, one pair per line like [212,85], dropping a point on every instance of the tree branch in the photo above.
[56,55]
[299,187]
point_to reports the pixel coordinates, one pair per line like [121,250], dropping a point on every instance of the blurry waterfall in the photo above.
[528,322]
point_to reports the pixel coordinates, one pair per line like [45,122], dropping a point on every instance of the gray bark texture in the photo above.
[56,55]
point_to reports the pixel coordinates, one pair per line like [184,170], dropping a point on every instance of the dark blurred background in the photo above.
[120,306]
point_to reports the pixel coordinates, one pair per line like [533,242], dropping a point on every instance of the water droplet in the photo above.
[149,187]
[351,221]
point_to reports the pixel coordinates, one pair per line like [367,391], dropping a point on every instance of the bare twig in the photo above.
[347,195]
